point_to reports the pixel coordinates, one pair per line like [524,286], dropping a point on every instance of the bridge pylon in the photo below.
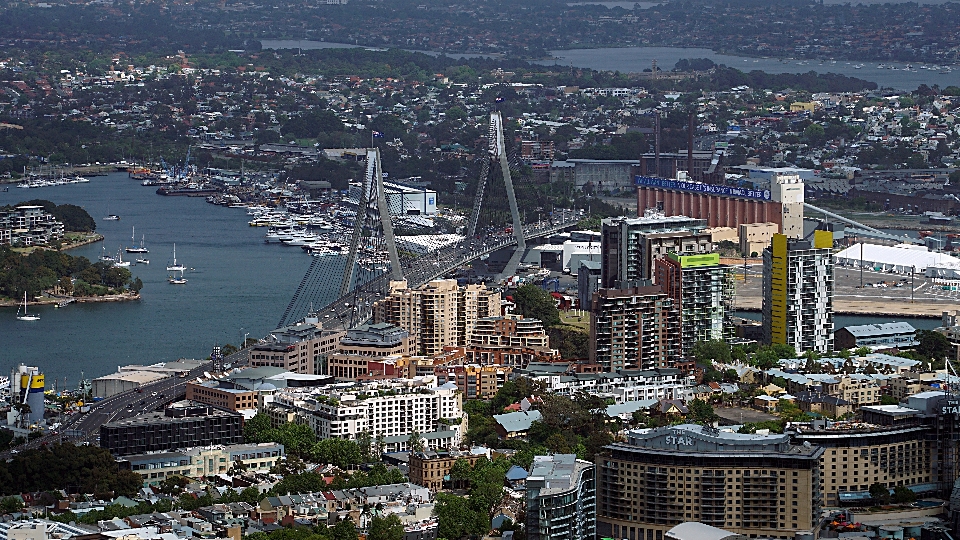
[367,218]
[497,154]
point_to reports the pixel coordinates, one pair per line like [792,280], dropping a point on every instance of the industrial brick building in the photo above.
[726,206]
[429,468]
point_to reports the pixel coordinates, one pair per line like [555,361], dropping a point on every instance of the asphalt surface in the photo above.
[85,427]
[357,306]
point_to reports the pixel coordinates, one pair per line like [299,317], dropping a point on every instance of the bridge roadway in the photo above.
[85,427]
[357,307]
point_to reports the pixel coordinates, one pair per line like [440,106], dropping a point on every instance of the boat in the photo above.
[6,189]
[177,281]
[120,262]
[26,316]
[106,258]
[112,217]
[142,260]
[133,239]
[176,267]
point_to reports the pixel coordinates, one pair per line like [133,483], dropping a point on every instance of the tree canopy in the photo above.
[75,469]
[536,303]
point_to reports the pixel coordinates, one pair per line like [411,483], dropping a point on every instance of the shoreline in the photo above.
[92,239]
[916,310]
[581,46]
[47,301]
[90,170]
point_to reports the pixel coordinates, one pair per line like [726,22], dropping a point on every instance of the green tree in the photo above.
[343,453]
[789,411]
[888,400]
[9,505]
[879,493]
[714,350]
[415,441]
[343,530]
[903,495]
[933,345]
[238,467]
[460,472]
[814,134]
[457,519]
[257,429]
[765,359]
[536,303]
[456,113]
[701,411]
[386,528]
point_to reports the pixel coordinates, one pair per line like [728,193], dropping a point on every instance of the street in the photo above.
[85,427]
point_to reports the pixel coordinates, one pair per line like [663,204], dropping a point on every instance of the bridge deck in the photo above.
[356,307]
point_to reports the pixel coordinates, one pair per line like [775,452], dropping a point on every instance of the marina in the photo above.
[237,284]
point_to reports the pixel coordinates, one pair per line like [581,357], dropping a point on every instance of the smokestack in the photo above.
[656,147]
[690,148]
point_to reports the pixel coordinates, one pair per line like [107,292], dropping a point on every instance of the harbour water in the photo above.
[841,321]
[636,59]
[236,284]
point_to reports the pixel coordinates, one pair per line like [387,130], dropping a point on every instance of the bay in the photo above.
[636,59]
[629,6]
[236,284]
[842,321]
[308,45]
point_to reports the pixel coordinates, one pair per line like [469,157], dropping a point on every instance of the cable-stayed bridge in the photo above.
[374,258]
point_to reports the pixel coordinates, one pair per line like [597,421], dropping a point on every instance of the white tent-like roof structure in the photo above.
[901,259]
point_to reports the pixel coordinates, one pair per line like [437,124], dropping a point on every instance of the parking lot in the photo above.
[882,293]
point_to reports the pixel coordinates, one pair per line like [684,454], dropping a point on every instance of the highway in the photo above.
[356,307]
[85,427]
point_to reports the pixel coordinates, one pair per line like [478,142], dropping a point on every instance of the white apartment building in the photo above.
[626,385]
[202,461]
[28,226]
[391,409]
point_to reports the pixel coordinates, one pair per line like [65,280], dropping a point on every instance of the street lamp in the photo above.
[913,278]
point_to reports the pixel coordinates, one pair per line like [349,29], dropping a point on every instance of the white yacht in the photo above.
[120,262]
[133,239]
[177,280]
[26,316]
[176,267]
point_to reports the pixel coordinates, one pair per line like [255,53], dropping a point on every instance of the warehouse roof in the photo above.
[694,530]
[902,256]
[882,329]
